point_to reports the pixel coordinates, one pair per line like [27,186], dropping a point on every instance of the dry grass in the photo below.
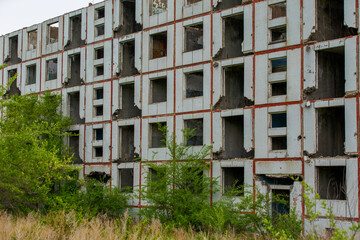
[65,226]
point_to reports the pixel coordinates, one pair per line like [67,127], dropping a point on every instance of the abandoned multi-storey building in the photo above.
[272,85]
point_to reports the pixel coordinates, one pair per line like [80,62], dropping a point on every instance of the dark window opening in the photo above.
[128,25]
[74,146]
[99,53]
[280,202]
[98,134]
[98,152]
[32,40]
[100,13]
[158,6]
[278,89]
[75,34]
[331,182]
[74,62]
[331,131]
[127,148]
[53,31]
[99,93]
[127,59]
[278,120]
[278,10]
[128,109]
[194,84]
[158,45]
[13,51]
[279,65]
[279,143]
[156,135]
[278,35]
[51,69]
[99,110]
[194,37]
[99,30]
[330,74]
[74,107]
[158,88]
[196,126]
[31,74]
[233,179]
[233,38]
[126,179]
[99,70]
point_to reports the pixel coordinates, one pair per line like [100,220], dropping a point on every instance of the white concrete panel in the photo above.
[248,130]
[350,126]
[90,24]
[248,77]
[309,67]
[293,131]
[308,18]
[108,19]
[352,187]
[248,28]
[350,64]
[138,47]
[278,167]
[261,75]
[350,12]
[261,30]
[217,33]
[1,50]
[217,132]
[261,139]
[294,75]
[310,129]
[293,22]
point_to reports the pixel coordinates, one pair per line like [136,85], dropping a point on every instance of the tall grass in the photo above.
[66,226]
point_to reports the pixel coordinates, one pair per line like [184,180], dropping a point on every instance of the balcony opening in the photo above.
[74,107]
[331,182]
[194,37]
[331,131]
[126,144]
[233,179]
[127,109]
[158,90]
[194,84]
[158,47]
[53,33]
[75,33]
[74,62]
[157,137]
[128,23]
[126,179]
[127,59]
[197,136]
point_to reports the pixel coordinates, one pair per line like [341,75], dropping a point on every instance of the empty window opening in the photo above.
[279,143]
[280,202]
[126,140]
[278,120]
[128,18]
[98,152]
[99,93]
[233,89]
[128,109]
[127,59]
[98,134]
[158,45]
[331,182]
[157,137]
[233,37]
[53,33]
[158,88]
[30,74]
[329,20]
[99,110]
[74,145]
[99,30]
[99,53]
[74,62]
[196,126]
[188,2]
[330,74]
[157,6]
[278,65]
[99,176]
[194,84]
[278,89]
[13,87]
[13,51]
[51,68]
[278,34]
[99,13]
[126,179]
[74,107]
[99,70]
[194,37]
[331,131]
[233,138]
[75,34]
[233,178]
[32,40]
[225,4]
[278,10]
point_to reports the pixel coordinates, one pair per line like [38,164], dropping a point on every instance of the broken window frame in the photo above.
[71,28]
[153,10]
[98,110]
[29,80]
[49,76]
[120,143]
[32,45]
[50,38]
[272,138]
[99,53]
[187,34]
[98,71]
